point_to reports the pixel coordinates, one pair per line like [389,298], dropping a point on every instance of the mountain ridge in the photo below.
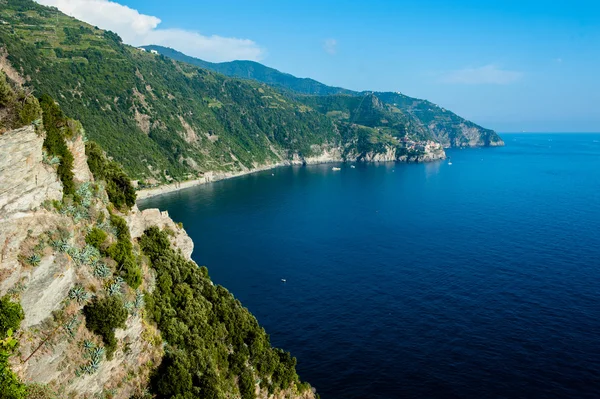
[443,121]
[166,120]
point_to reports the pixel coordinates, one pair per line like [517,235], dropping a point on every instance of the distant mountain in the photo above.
[398,115]
[165,119]
[255,71]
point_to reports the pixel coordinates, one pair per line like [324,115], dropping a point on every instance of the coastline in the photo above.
[433,152]
[209,177]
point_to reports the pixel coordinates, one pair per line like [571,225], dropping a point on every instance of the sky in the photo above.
[508,65]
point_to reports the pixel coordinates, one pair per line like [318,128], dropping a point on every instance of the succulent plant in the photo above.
[34,259]
[114,289]
[71,326]
[100,270]
[79,294]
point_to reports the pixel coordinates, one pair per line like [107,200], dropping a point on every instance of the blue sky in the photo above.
[508,65]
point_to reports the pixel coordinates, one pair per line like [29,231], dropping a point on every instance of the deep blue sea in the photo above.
[479,279]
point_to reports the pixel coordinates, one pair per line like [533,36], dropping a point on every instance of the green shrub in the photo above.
[96,237]
[102,317]
[118,185]
[31,110]
[54,124]
[211,337]
[246,384]
[7,95]
[122,253]
[10,386]
[11,315]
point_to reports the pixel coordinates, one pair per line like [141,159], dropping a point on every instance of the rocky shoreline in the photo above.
[431,152]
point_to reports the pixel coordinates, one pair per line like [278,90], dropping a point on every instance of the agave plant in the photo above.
[90,254]
[97,353]
[68,209]
[79,294]
[139,300]
[100,270]
[114,289]
[71,326]
[57,244]
[88,345]
[34,259]
[85,193]
[79,215]
[50,160]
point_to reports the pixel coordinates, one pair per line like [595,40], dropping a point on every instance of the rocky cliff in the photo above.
[49,268]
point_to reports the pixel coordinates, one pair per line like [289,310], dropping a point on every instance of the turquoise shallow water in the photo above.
[476,279]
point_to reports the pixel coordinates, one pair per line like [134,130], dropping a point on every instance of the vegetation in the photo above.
[18,107]
[118,185]
[157,118]
[419,118]
[55,124]
[255,71]
[103,316]
[96,237]
[212,340]
[122,253]
[11,315]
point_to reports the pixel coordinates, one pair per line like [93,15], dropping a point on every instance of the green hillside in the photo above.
[421,118]
[158,118]
[255,71]
[163,119]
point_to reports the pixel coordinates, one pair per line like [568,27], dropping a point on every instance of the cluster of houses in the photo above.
[419,146]
[151,51]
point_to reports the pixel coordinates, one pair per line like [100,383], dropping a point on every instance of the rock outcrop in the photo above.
[51,335]
[81,169]
[25,181]
[138,221]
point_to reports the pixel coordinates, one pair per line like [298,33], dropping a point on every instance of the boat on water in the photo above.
[283,280]
[449,163]
[352,166]
[334,168]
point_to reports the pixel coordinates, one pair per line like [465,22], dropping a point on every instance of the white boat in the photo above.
[283,280]
[334,168]
[352,166]
[449,163]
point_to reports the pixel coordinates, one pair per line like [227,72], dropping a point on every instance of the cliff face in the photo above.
[49,268]
[50,349]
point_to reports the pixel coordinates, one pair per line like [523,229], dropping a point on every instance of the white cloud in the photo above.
[330,46]
[488,74]
[139,29]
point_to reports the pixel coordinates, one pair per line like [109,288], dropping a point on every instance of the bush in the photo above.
[118,185]
[102,317]
[96,237]
[10,386]
[11,315]
[211,337]
[122,253]
[19,106]
[54,124]
[246,383]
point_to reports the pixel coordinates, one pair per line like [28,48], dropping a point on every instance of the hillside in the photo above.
[101,300]
[160,119]
[427,120]
[255,71]
[165,120]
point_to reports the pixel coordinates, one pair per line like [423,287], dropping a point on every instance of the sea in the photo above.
[473,277]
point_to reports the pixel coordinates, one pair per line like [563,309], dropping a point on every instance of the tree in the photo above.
[11,315]
[103,316]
